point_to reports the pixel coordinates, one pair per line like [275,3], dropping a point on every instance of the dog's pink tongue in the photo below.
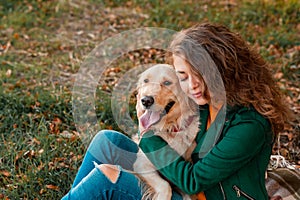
[149,118]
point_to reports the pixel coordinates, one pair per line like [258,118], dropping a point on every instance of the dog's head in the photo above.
[160,100]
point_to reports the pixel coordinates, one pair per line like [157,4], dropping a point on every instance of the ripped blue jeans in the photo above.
[108,147]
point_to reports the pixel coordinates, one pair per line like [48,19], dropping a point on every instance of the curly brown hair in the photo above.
[246,76]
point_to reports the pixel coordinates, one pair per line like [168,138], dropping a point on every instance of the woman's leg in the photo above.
[107,147]
[96,186]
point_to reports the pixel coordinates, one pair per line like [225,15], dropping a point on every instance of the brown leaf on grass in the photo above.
[5,48]
[278,75]
[284,152]
[15,126]
[2,196]
[18,156]
[41,166]
[274,50]
[56,120]
[8,73]
[52,187]
[36,141]
[29,154]
[54,125]
[41,151]
[75,158]
[21,82]
[16,36]
[5,173]
[42,191]
[66,134]
[51,165]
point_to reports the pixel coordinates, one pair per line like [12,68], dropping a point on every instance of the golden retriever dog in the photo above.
[164,108]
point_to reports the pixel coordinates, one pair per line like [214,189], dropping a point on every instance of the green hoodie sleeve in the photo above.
[239,145]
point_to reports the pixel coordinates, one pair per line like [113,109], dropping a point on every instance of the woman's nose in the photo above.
[193,83]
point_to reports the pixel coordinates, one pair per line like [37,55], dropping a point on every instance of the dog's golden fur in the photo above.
[164,108]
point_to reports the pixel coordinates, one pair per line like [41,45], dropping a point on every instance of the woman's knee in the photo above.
[110,135]
[115,138]
[112,147]
[112,172]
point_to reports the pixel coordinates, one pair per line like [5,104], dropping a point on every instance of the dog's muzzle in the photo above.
[147,101]
[151,117]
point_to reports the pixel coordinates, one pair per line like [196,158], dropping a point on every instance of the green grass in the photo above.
[43,44]
[33,154]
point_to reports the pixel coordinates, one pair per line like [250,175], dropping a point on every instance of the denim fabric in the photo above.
[108,147]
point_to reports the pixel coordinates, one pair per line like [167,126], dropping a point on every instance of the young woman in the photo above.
[234,164]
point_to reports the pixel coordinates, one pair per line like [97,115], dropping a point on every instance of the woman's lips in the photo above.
[197,95]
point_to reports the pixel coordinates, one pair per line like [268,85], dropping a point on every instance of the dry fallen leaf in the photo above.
[8,73]
[52,187]
[5,173]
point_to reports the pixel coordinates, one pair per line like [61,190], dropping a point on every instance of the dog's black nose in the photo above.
[147,101]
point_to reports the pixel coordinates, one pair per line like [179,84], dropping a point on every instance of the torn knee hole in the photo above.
[110,171]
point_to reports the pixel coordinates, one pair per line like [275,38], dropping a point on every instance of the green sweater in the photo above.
[233,169]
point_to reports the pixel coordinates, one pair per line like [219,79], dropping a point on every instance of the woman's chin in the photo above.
[200,101]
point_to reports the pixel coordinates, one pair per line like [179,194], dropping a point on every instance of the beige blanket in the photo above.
[284,183]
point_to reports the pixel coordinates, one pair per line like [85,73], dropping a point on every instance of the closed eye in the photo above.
[181,75]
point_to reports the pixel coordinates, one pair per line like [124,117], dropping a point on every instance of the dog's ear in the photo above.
[138,83]
[139,112]
[138,106]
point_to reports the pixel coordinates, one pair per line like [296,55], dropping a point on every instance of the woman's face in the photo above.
[190,83]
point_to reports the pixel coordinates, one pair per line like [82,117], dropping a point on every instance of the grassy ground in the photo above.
[43,43]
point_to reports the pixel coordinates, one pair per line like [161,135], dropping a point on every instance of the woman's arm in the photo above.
[239,145]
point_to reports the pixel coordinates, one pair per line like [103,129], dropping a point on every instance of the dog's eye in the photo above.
[146,80]
[167,83]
